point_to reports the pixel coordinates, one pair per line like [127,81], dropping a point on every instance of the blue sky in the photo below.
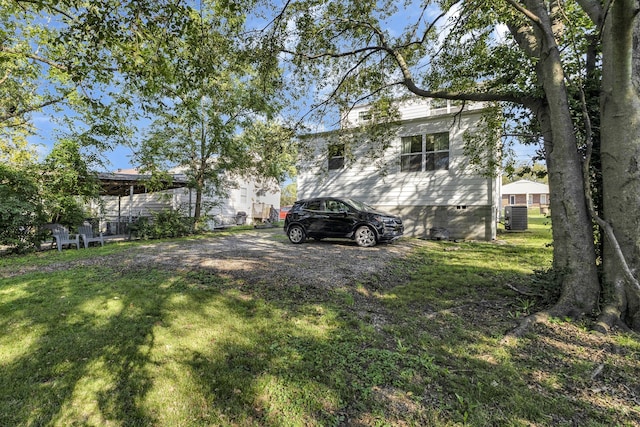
[119,158]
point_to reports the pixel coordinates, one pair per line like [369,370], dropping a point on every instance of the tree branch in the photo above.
[430,27]
[594,11]
[19,113]
[279,17]
[368,49]
[409,82]
[526,12]
[339,85]
[35,58]
[6,76]
[48,6]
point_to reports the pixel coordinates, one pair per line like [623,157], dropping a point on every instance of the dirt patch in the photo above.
[269,257]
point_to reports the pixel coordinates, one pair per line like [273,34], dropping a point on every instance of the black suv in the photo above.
[332,217]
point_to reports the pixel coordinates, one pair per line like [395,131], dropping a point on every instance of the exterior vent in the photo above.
[515,218]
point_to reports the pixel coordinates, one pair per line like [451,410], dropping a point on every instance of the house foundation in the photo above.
[448,222]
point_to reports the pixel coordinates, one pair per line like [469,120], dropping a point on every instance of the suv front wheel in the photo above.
[365,237]
[296,234]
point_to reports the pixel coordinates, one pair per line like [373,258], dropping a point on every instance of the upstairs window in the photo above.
[425,152]
[336,156]
[364,116]
[438,104]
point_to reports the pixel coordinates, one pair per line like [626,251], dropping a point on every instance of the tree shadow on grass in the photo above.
[191,346]
[84,359]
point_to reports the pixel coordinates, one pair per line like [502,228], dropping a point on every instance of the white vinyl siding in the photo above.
[363,180]
[139,205]
[411,109]
[422,174]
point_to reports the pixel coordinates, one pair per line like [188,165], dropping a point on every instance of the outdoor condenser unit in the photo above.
[515,218]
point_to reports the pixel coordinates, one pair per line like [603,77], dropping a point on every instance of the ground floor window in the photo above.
[336,156]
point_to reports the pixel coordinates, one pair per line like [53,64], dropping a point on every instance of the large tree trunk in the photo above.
[620,148]
[574,252]
[198,207]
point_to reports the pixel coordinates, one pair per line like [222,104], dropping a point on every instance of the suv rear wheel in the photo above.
[296,234]
[365,237]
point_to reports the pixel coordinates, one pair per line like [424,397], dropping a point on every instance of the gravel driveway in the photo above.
[264,255]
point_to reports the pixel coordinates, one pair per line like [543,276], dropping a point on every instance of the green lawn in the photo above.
[103,346]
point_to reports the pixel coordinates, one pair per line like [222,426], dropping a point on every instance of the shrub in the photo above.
[166,223]
[21,210]
[65,210]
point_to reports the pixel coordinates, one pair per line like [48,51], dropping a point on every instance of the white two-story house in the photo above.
[419,171]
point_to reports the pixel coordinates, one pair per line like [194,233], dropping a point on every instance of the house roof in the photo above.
[120,184]
[524,186]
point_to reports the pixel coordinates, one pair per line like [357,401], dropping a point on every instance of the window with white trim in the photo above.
[425,152]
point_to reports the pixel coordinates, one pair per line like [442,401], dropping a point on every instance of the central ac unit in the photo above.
[515,218]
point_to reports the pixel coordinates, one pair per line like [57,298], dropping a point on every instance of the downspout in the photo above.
[119,214]
[130,209]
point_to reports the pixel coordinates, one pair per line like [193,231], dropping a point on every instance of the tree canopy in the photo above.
[213,109]
[104,68]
